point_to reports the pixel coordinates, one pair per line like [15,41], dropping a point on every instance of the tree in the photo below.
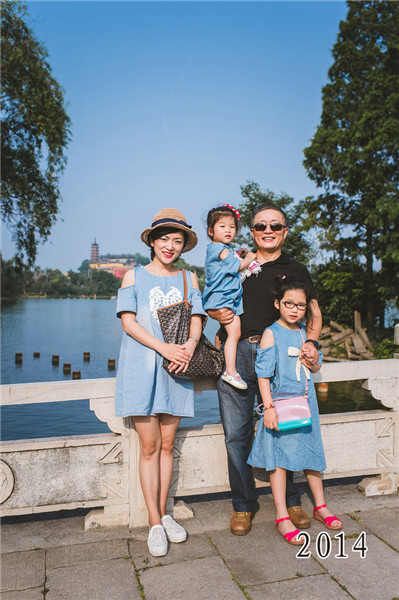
[35,133]
[13,281]
[103,283]
[84,267]
[354,154]
[296,244]
[341,289]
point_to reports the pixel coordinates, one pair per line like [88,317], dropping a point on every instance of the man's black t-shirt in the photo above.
[258,295]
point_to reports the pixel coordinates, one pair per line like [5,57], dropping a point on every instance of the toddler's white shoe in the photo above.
[157,542]
[235,380]
[175,532]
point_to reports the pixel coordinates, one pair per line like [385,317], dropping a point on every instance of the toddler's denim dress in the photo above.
[296,449]
[222,281]
[143,387]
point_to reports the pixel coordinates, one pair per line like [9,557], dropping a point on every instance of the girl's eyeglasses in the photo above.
[289,304]
[273,226]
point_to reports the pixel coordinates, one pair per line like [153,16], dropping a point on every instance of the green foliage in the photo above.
[296,244]
[103,283]
[13,279]
[139,258]
[35,134]
[142,260]
[384,349]
[18,280]
[354,154]
[341,289]
[200,271]
[84,267]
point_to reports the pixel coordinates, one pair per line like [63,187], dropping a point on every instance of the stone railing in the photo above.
[101,471]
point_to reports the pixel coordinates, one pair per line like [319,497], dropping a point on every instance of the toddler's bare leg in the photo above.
[233,331]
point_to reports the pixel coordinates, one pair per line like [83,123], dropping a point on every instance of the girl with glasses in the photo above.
[281,371]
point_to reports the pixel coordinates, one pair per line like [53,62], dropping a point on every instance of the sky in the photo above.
[178,104]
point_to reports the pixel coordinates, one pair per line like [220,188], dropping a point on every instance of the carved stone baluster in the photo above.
[386,391]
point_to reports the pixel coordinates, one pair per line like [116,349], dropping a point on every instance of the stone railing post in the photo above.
[132,510]
[386,391]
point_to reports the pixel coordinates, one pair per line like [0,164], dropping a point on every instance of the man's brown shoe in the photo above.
[298,517]
[240,522]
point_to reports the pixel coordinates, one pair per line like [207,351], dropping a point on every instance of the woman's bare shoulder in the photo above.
[128,278]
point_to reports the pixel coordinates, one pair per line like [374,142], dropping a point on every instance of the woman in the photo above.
[144,390]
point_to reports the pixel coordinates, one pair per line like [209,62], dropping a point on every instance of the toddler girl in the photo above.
[222,281]
[283,371]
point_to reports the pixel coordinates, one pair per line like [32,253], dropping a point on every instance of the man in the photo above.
[269,230]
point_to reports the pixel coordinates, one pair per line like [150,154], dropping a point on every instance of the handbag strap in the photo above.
[185,288]
[306,379]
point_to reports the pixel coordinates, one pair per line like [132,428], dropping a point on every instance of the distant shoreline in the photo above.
[71,297]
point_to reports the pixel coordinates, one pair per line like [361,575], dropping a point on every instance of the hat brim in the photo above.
[192,239]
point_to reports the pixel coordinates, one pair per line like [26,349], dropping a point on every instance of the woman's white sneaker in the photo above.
[235,380]
[157,542]
[175,532]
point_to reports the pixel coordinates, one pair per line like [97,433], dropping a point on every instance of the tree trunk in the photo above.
[370,281]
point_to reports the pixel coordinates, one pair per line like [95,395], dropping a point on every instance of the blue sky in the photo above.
[179,104]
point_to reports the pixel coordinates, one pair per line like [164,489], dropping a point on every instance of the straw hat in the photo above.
[171,217]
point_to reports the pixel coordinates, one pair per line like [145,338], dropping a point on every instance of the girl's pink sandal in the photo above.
[290,534]
[327,520]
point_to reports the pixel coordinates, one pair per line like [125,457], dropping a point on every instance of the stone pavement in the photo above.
[56,559]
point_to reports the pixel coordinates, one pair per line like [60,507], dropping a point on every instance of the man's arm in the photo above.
[313,327]
[310,354]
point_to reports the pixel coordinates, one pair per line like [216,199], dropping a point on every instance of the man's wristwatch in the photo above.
[314,342]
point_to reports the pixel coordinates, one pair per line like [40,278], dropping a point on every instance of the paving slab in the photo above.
[196,546]
[384,523]
[31,594]
[56,532]
[375,576]
[314,587]
[101,580]
[82,553]
[22,570]
[201,579]
[262,556]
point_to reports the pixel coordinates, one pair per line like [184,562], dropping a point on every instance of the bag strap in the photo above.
[306,379]
[185,288]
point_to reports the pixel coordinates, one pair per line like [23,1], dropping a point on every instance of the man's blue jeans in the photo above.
[236,411]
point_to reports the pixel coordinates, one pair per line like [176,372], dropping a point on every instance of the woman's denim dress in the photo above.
[143,387]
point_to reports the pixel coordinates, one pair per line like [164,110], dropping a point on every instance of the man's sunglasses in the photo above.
[273,226]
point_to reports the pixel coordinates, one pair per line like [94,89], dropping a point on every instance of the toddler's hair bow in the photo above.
[234,209]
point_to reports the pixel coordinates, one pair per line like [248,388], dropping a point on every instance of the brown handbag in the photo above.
[207,361]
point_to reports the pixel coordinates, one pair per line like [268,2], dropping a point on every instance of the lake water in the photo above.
[69,327]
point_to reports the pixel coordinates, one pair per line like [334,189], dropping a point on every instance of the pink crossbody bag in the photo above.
[294,412]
